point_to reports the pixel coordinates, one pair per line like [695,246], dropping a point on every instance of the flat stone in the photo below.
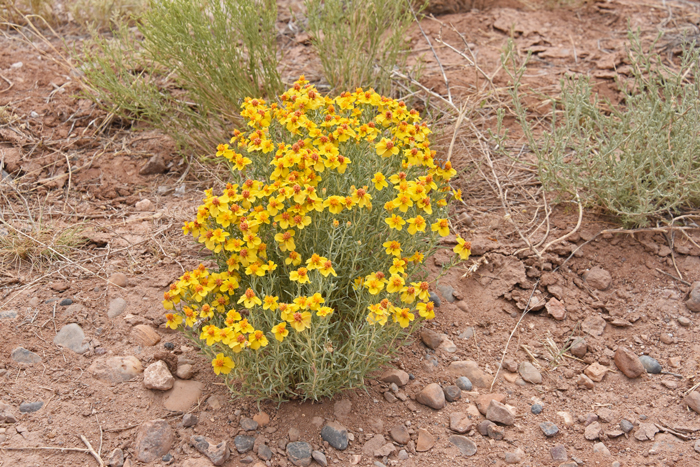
[596,372]
[385,451]
[471,370]
[431,338]
[373,444]
[320,458]
[116,307]
[261,418]
[693,302]
[153,440]
[157,376]
[514,457]
[189,419]
[9,314]
[600,448]
[336,435]
[567,418]
[500,413]
[183,396]
[447,346]
[6,413]
[391,398]
[432,396]
[145,335]
[155,165]
[593,431]
[556,309]
[651,365]
[244,443]
[683,321]
[299,453]
[529,373]
[483,401]
[30,407]
[628,363]
[425,440]
[119,279]
[463,383]
[72,336]
[585,381]
[116,458]
[692,400]
[483,427]
[549,429]
[400,434]
[598,278]
[265,453]
[466,446]
[460,422]
[27,357]
[115,369]
[293,434]
[395,376]
[343,407]
[248,424]
[452,393]
[626,426]
[594,325]
[606,415]
[217,453]
[559,453]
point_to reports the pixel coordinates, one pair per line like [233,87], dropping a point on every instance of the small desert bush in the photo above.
[319,243]
[359,42]
[102,14]
[640,159]
[197,60]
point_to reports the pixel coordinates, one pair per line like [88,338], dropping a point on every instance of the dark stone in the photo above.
[336,435]
[626,425]
[452,393]
[483,427]
[549,429]
[30,407]
[464,444]
[248,424]
[536,409]
[189,419]
[168,458]
[299,453]
[435,299]
[22,355]
[244,443]
[463,383]
[66,302]
[264,452]
[651,365]
[217,453]
[153,440]
[169,346]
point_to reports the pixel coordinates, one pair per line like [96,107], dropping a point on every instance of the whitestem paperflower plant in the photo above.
[320,241]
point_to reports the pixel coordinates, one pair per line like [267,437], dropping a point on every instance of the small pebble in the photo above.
[651,365]
[435,299]
[626,425]
[536,409]
[463,383]
[168,458]
[66,302]
[549,429]
[169,346]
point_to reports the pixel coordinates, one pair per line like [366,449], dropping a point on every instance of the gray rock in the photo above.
[248,424]
[65,302]
[264,452]
[336,435]
[320,458]
[390,397]
[244,443]
[299,453]
[466,446]
[71,336]
[529,373]
[22,355]
[217,453]
[452,393]
[30,407]
[116,307]
[626,425]
[559,453]
[463,383]
[116,458]
[447,292]
[483,427]
[536,409]
[153,440]
[435,299]
[9,314]
[189,419]
[651,365]
[549,429]
[400,434]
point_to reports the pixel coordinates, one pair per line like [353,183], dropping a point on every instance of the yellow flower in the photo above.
[244,327]
[315,301]
[327,268]
[402,316]
[463,248]
[301,276]
[398,266]
[174,320]
[442,227]
[249,299]
[324,311]
[334,204]
[416,224]
[257,339]
[386,148]
[294,259]
[270,303]
[395,222]
[210,333]
[315,262]
[379,181]
[286,240]
[396,283]
[222,364]
[280,331]
[426,310]
[301,321]
[392,247]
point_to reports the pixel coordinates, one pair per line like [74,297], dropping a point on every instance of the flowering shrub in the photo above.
[320,244]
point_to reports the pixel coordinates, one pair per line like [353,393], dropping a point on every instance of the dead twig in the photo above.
[92,451]
[674,277]
[8,82]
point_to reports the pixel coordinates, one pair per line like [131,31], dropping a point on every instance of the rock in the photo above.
[59,286]
[666,338]
[646,432]
[483,401]
[514,457]
[144,205]
[606,415]
[559,453]
[65,302]
[293,434]
[626,426]
[336,435]
[217,453]
[431,338]
[598,278]
[549,429]
[432,396]
[697,446]
[425,440]
[500,413]
[628,363]
[466,446]
[198,462]
[299,453]
[529,373]
[435,299]
[9,314]
[536,409]
[153,440]
[483,427]
[244,443]
[248,424]
[447,346]
[30,407]
[463,383]
[116,307]
[567,418]
[403,455]
[693,302]
[460,422]
[261,418]
[115,369]
[374,444]
[385,451]
[556,309]
[170,360]
[189,419]
[452,393]
[116,458]
[120,280]
[471,370]
[579,348]
[692,400]
[593,431]
[390,397]
[400,434]
[601,449]
[183,395]
[154,166]
[320,458]
[585,381]
[145,335]
[6,414]
[683,321]
[71,336]
[185,371]
[157,376]
[510,365]
[590,418]
[651,365]
[27,357]
[393,376]
[467,333]
[596,372]
[594,325]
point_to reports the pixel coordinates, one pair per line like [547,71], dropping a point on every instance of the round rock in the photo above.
[244,443]
[650,365]
[536,409]
[153,440]
[549,429]
[626,425]
[432,396]
[463,383]
[71,336]
[529,373]
[452,393]
[299,453]
[628,363]
[157,376]
[336,435]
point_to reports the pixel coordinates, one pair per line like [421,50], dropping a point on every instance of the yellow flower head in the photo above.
[301,321]
[301,276]
[222,364]
[257,340]
[379,181]
[442,227]
[463,248]
[395,222]
[174,320]
[249,299]
[280,331]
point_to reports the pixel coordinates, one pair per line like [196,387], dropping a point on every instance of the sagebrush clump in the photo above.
[319,242]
